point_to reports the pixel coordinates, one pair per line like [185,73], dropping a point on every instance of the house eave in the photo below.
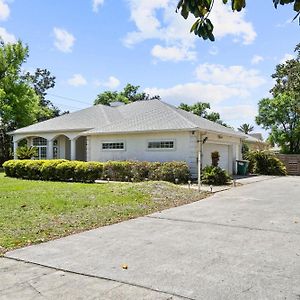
[48,131]
[203,131]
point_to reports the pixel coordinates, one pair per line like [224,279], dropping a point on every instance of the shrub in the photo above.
[215,176]
[48,170]
[169,171]
[32,169]
[245,150]
[140,170]
[9,169]
[25,152]
[117,170]
[64,170]
[265,163]
[88,171]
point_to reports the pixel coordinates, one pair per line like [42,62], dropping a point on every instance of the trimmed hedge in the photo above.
[64,170]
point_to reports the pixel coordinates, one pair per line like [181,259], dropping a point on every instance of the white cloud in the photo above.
[256,59]
[286,57]
[172,53]
[4,10]
[213,51]
[7,37]
[227,22]
[77,80]
[197,91]
[216,84]
[111,83]
[237,112]
[173,31]
[96,4]
[64,40]
[233,75]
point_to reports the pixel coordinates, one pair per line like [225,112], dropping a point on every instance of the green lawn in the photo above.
[36,211]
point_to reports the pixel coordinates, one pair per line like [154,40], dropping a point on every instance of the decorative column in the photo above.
[29,142]
[88,148]
[73,149]
[236,155]
[15,150]
[50,149]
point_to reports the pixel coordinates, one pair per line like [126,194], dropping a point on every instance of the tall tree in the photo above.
[127,95]
[281,114]
[41,81]
[201,10]
[201,109]
[246,128]
[19,104]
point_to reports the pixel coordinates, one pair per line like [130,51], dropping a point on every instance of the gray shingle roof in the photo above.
[85,119]
[141,116]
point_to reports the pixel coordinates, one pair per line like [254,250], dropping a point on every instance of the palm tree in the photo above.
[246,128]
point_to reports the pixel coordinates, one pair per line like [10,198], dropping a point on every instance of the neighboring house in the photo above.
[145,130]
[255,141]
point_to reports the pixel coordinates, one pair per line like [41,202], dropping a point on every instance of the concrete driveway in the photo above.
[243,243]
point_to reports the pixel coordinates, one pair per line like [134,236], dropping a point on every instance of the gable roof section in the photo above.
[141,116]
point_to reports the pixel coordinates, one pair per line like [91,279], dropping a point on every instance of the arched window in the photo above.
[41,145]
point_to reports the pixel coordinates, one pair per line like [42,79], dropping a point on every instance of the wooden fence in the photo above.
[291,162]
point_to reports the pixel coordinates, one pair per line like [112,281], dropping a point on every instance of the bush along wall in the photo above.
[215,175]
[265,163]
[78,171]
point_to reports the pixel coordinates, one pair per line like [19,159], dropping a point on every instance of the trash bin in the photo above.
[242,167]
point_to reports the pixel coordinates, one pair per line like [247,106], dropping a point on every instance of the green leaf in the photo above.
[297,5]
[184,12]
[195,25]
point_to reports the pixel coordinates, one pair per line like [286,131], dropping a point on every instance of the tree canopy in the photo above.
[41,81]
[246,128]
[22,96]
[127,95]
[18,101]
[201,10]
[201,109]
[281,113]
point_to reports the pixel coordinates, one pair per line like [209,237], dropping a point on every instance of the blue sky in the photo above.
[96,45]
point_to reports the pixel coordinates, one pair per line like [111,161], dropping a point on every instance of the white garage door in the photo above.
[223,151]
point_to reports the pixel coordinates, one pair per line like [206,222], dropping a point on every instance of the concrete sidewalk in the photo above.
[22,281]
[243,243]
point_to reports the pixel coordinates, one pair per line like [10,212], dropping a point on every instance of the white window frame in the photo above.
[159,141]
[40,147]
[113,142]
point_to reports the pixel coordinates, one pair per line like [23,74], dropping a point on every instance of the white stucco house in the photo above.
[145,130]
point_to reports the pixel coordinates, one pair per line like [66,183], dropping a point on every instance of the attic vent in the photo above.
[116,103]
